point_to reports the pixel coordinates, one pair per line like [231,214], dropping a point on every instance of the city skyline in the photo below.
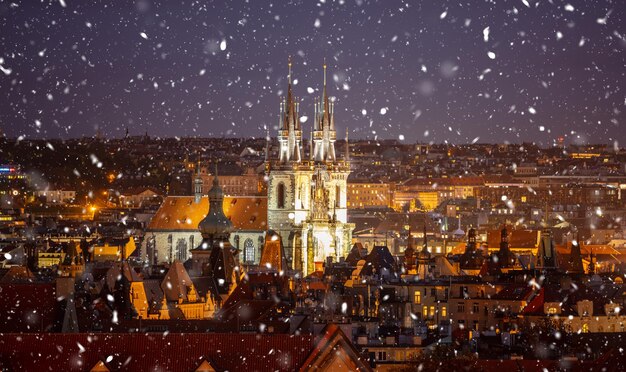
[338,185]
[517,72]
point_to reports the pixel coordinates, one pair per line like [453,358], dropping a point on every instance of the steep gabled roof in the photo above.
[147,352]
[334,351]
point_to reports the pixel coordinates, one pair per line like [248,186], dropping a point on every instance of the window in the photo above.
[249,251]
[170,247]
[432,311]
[552,310]
[461,308]
[444,312]
[181,250]
[425,311]
[585,328]
[475,308]
[433,292]
[337,196]
[463,292]
[418,297]
[280,195]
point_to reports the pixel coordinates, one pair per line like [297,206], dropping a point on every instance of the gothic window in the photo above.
[170,247]
[337,196]
[151,250]
[181,250]
[249,251]
[280,195]
[191,241]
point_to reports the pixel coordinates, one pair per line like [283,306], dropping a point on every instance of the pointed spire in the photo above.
[576,263]
[325,109]
[348,148]
[592,267]
[289,106]
[311,148]
[267,144]
[282,116]
[289,64]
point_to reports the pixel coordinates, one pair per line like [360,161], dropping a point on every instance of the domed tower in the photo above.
[215,227]
[215,257]
[472,259]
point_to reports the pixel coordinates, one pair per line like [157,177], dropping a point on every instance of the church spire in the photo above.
[289,75]
[347,157]
[325,105]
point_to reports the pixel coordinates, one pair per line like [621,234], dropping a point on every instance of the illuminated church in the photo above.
[307,195]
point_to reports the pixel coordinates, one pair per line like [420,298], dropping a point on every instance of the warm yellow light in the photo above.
[93,209]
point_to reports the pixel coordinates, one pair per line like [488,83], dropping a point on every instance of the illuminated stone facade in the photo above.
[307,198]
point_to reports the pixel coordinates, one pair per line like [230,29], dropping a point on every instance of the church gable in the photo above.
[335,352]
[205,366]
[100,367]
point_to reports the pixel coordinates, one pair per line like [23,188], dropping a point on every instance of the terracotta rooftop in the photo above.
[149,352]
[520,239]
[182,213]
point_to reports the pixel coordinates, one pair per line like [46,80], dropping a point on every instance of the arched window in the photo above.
[181,250]
[170,248]
[280,195]
[249,251]
[151,251]
[337,196]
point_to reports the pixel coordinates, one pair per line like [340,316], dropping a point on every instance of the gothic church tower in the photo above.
[307,198]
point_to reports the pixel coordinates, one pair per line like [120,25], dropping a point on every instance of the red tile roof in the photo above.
[148,352]
[29,307]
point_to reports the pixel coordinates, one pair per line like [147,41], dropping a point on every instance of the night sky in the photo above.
[471,71]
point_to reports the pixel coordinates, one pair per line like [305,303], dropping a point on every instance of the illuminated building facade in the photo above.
[307,198]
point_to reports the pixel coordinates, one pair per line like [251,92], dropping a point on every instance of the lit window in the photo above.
[425,311]
[585,328]
[418,297]
[552,310]
[444,312]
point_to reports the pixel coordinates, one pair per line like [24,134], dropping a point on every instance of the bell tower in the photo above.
[307,197]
